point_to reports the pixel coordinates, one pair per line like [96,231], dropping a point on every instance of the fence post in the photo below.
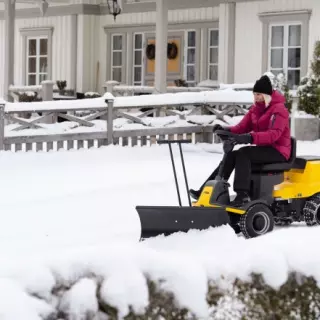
[208,134]
[47,95]
[109,101]
[110,85]
[293,119]
[2,123]
[47,90]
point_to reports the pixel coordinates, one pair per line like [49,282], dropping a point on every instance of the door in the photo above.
[174,60]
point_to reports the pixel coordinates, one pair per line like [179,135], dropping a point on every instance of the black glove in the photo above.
[219,127]
[243,138]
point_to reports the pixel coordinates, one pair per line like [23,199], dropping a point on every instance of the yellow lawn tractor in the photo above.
[281,193]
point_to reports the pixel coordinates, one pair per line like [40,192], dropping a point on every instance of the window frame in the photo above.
[108,61]
[185,58]
[285,46]
[37,56]
[117,50]
[33,33]
[142,65]
[269,19]
[208,48]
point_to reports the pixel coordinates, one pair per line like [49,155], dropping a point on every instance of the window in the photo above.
[36,55]
[213,54]
[116,57]
[190,64]
[285,43]
[37,60]
[138,69]
[285,52]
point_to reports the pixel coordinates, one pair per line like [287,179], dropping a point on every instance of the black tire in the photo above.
[311,211]
[258,220]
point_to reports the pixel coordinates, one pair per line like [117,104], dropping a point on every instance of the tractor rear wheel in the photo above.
[258,220]
[311,211]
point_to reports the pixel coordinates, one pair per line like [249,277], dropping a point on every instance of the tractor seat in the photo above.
[280,166]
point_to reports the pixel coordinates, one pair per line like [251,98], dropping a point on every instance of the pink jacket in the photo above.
[268,125]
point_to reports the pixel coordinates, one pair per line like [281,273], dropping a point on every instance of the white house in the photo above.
[229,41]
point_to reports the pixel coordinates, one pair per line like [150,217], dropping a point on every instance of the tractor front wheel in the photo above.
[258,220]
[311,211]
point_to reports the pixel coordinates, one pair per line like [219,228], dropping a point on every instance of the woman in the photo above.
[267,126]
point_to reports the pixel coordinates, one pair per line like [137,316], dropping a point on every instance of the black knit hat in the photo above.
[263,85]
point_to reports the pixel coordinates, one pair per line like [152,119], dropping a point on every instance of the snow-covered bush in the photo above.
[87,299]
[309,89]
[172,278]
[29,96]
[315,65]
[61,84]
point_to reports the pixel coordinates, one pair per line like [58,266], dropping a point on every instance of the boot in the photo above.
[241,199]
[195,194]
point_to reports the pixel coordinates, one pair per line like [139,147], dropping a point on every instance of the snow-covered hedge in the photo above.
[94,298]
[196,276]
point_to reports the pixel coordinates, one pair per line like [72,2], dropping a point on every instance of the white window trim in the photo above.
[208,54]
[285,45]
[142,66]
[117,50]
[300,16]
[34,33]
[185,60]
[38,72]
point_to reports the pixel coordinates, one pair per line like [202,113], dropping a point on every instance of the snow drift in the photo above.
[69,235]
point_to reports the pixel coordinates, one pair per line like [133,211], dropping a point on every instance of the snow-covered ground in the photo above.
[67,214]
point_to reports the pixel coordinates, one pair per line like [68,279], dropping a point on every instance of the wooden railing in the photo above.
[113,120]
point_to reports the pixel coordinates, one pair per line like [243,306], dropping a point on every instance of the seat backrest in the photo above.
[293,150]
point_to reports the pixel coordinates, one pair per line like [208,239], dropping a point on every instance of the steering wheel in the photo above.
[225,135]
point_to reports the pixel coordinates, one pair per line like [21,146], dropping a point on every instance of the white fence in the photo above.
[117,120]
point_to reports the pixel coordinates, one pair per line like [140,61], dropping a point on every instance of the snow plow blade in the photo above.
[166,220]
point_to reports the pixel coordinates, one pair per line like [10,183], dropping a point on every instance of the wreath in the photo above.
[151,51]
[172,51]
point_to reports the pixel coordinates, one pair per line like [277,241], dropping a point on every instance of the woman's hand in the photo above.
[243,138]
[218,127]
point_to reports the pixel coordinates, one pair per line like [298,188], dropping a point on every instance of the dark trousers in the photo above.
[241,161]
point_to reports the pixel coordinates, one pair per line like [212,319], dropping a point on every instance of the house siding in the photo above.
[61,48]
[174,16]
[61,38]
[92,46]
[24,5]
[248,42]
